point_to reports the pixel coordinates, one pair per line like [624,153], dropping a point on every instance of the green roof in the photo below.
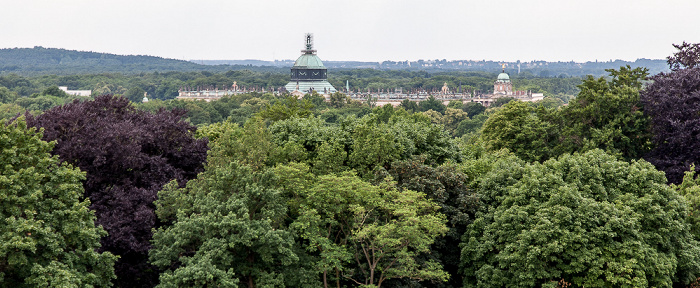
[305,86]
[503,76]
[310,61]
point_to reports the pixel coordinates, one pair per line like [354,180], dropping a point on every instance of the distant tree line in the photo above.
[42,61]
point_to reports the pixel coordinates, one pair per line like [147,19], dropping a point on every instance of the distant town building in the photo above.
[308,73]
[213,93]
[504,88]
[85,93]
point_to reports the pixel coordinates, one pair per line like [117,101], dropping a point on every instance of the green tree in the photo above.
[502,101]
[317,99]
[586,219]
[324,145]
[607,115]
[7,96]
[452,119]
[473,109]
[455,104]
[375,143]
[432,103]
[291,106]
[39,103]
[434,116]
[549,102]
[331,158]
[250,145]
[470,126]
[48,236]
[690,189]
[231,231]
[446,186]
[10,110]
[339,100]
[135,94]
[379,229]
[55,91]
[518,127]
[214,131]
[409,105]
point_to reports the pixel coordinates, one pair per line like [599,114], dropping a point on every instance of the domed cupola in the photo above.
[308,72]
[502,85]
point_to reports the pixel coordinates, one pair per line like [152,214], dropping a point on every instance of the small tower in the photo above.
[308,72]
[503,86]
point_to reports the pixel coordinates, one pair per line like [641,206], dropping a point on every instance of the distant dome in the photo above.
[309,61]
[503,76]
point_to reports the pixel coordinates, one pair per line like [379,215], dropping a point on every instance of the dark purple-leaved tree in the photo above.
[128,155]
[688,56]
[673,103]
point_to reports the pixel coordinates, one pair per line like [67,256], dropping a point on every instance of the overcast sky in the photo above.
[372,30]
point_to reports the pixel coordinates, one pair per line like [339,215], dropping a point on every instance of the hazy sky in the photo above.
[374,30]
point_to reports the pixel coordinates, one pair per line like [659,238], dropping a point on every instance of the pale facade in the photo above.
[503,87]
[84,93]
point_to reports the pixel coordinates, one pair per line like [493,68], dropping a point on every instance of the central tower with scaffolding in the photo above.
[308,73]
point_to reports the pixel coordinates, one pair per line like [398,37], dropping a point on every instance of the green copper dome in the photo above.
[309,61]
[503,76]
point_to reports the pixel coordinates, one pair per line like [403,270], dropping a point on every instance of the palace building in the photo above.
[504,88]
[308,73]
[503,85]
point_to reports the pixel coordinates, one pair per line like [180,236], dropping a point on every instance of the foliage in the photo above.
[128,156]
[316,99]
[501,101]
[250,145]
[230,233]
[135,94]
[7,96]
[409,105]
[39,103]
[48,236]
[473,108]
[672,101]
[432,103]
[690,189]
[518,127]
[377,143]
[339,100]
[470,126]
[322,146]
[40,60]
[379,229]
[687,57]
[291,106]
[455,104]
[55,91]
[588,219]
[8,111]
[452,119]
[447,187]
[214,131]
[608,115]
[549,102]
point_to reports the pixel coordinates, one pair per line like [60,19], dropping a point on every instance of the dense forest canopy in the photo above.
[261,189]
